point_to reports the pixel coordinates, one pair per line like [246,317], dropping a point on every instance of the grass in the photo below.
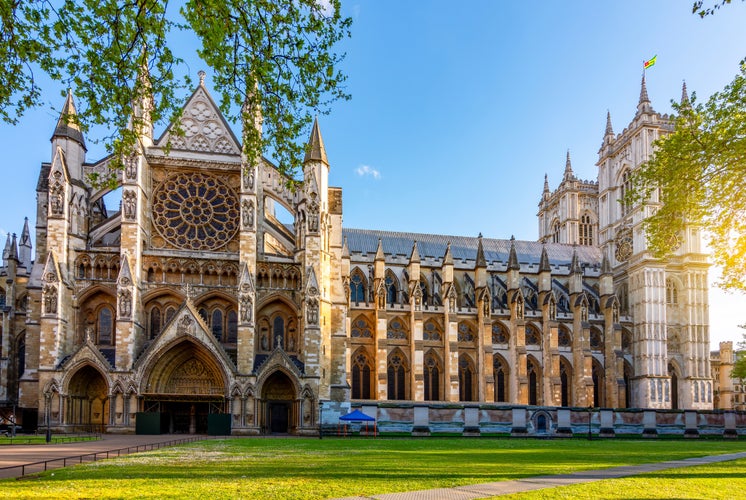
[39,439]
[725,480]
[335,467]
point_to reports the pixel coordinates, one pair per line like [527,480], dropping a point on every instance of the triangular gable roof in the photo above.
[357,416]
[87,352]
[204,126]
[186,323]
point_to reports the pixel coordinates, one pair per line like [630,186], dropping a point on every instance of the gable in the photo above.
[204,128]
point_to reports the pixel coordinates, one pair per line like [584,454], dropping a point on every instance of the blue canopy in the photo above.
[357,416]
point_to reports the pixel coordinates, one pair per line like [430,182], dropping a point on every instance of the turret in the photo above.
[644,106]
[68,137]
[24,248]
[569,175]
[514,268]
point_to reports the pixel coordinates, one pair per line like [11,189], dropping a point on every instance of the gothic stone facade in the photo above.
[194,298]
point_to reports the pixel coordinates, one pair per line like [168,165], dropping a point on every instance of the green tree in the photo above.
[739,367]
[119,57]
[700,172]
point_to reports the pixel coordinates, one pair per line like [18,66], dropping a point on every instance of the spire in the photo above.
[684,95]
[575,264]
[315,150]
[643,92]
[481,261]
[448,257]
[345,249]
[415,256]
[609,129]
[67,125]
[569,175]
[544,261]
[513,264]
[605,266]
[379,251]
[6,251]
[546,183]
[13,249]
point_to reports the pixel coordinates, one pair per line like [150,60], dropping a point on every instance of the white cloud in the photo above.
[366,170]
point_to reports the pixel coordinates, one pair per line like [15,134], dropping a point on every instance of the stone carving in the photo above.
[247,309]
[125,303]
[186,326]
[130,167]
[129,204]
[312,312]
[248,214]
[249,177]
[50,299]
[313,219]
[55,200]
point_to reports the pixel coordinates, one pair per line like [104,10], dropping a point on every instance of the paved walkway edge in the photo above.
[498,488]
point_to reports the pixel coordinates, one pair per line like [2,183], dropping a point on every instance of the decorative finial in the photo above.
[684,94]
[201,75]
[569,175]
[609,130]
[644,91]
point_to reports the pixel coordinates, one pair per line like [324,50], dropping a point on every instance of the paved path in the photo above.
[536,483]
[16,455]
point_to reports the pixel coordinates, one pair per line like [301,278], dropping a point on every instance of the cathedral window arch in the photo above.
[466,332]
[597,340]
[105,326]
[564,337]
[397,329]
[672,292]
[397,375]
[154,322]
[432,331]
[556,232]
[565,382]
[466,378]
[361,328]
[533,370]
[500,333]
[361,375]
[586,230]
[358,286]
[501,372]
[431,372]
[392,288]
[533,336]
[625,185]
[598,374]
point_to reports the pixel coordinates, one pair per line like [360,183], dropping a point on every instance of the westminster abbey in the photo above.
[191,298]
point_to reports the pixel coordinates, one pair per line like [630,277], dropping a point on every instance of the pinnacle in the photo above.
[315,150]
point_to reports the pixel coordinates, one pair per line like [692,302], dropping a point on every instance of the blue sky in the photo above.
[459,108]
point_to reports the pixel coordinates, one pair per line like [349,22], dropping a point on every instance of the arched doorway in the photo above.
[674,386]
[185,386]
[88,397]
[278,394]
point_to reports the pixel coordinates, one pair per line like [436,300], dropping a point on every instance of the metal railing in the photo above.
[55,463]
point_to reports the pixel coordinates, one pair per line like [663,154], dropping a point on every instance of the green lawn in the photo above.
[334,467]
[726,480]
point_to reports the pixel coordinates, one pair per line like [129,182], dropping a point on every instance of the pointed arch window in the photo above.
[392,288]
[431,375]
[357,287]
[217,324]
[396,330]
[565,381]
[556,232]
[466,332]
[586,230]
[625,189]
[672,293]
[397,376]
[105,326]
[361,328]
[500,368]
[500,334]
[564,339]
[597,340]
[155,322]
[232,326]
[534,377]
[432,331]
[278,332]
[466,379]
[361,379]
[170,312]
[597,375]
[533,337]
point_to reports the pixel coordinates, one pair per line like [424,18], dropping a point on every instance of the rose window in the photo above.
[195,211]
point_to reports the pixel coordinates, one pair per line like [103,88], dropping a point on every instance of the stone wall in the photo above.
[423,419]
